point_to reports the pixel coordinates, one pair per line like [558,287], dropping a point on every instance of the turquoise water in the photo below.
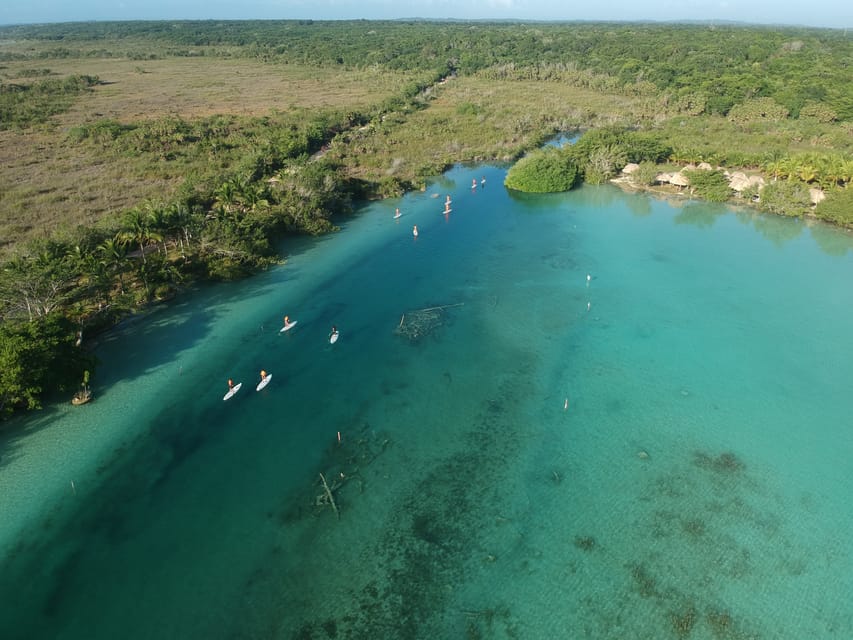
[696,486]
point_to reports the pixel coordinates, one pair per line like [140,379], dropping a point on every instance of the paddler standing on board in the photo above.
[263,375]
[230,384]
[286,320]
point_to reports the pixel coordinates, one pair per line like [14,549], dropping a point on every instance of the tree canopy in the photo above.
[549,170]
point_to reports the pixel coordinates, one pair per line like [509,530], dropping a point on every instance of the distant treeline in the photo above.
[704,69]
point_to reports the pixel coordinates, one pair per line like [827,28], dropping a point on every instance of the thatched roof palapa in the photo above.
[679,179]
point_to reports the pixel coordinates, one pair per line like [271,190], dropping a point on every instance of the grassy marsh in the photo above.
[47,181]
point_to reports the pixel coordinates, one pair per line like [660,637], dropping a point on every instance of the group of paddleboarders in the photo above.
[447,203]
[333,337]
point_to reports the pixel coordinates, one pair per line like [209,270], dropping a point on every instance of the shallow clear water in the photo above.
[696,486]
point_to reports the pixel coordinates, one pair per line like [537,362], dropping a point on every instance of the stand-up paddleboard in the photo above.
[264,382]
[397,215]
[447,210]
[334,337]
[288,326]
[232,391]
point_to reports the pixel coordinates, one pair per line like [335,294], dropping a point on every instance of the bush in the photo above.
[603,163]
[38,357]
[390,187]
[785,197]
[545,171]
[818,112]
[645,174]
[620,147]
[758,109]
[838,207]
[709,185]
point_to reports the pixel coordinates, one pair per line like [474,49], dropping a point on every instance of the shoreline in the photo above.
[625,182]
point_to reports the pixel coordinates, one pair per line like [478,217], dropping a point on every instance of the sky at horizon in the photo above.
[819,13]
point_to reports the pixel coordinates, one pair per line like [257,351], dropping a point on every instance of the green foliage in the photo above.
[691,104]
[703,69]
[101,132]
[391,187]
[545,171]
[758,109]
[837,207]
[38,357]
[709,185]
[468,109]
[622,146]
[23,105]
[645,174]
[818,112]
[602,153]
[35,285]
[785,197]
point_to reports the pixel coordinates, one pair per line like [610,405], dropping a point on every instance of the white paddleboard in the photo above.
[232,391]
[397,215]
[264,382]
[447,210]
[334,337]
[288,326]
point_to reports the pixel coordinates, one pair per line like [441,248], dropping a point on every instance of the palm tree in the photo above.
[138,230]
[158,224]
[179,220]
[114,256]
[228,194]
[254,197]
[847,173]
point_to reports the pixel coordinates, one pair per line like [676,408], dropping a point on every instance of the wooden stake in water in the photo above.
[330,496]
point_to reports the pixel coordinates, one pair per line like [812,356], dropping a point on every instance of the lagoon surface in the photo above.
[661,450]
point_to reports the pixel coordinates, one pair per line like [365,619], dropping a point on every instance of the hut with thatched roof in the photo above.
[678,179]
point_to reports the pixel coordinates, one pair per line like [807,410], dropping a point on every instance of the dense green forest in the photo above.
[704,69]
[778,101]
